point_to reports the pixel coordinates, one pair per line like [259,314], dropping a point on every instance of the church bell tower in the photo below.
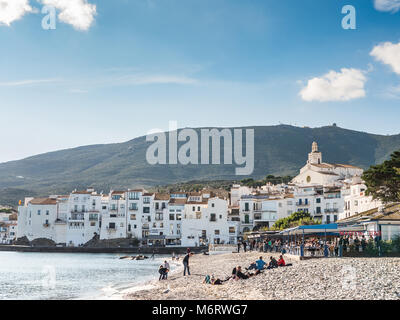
[314,157]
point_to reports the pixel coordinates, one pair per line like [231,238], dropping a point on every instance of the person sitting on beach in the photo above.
[272,263]
[253,266]
[260,264]
[282,263]
[240,274]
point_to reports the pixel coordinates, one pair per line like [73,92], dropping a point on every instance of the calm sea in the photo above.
[71,276]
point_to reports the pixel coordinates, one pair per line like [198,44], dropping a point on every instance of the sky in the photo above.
[113,70]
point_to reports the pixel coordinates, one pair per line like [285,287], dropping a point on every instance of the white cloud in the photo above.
[12,10]
[388,53]
[345,85]
[387,5]
[27,82]
[78,13]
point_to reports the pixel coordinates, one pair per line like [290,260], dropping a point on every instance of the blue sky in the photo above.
[142,63]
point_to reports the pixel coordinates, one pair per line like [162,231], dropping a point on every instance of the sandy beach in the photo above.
[315,279]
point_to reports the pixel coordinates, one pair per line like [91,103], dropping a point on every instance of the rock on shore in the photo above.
[315,279]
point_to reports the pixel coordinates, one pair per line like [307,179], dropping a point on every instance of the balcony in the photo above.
[332,210]
[78,217]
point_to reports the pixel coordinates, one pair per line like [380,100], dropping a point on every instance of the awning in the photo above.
[332,228]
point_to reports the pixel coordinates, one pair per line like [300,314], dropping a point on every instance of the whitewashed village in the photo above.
[329,192]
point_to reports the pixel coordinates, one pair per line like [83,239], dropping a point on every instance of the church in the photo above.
[316,172]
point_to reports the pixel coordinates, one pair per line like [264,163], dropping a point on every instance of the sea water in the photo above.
[39,276]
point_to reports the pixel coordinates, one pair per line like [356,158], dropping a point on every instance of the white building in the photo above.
[316,172]
[322,202]
[205,221]
[355,199]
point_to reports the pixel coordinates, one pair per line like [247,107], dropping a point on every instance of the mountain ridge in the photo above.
[279,150]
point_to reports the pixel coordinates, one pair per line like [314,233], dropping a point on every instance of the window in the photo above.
[193,208]
[213,217]
[216,232]
[328,219]
[146,209]
[318,209]
[133,216]
[92,224]
[178,216]
[111,225]
[246,206]
[318,200]
[171,217]
[38,212]
[231,229]
[213,205]
[47,212]
[133,206]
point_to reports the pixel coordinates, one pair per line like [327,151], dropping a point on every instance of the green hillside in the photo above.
[279,150]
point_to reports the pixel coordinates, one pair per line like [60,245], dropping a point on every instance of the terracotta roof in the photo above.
[161,196]
[197,202]
[334,165]
[43,201]
[81,192]
[148,194]
[118,192]
[177,201]
[195,194]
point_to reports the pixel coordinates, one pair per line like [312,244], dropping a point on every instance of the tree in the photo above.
[298,218]
[383,180]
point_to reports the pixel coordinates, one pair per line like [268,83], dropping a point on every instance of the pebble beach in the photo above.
[314,279]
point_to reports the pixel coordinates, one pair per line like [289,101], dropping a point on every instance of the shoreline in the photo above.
[149,284]
[314,279]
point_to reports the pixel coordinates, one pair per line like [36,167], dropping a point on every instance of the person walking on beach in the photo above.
[244,246]
[186,264]
[238,247]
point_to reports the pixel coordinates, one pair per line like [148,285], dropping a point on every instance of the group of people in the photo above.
[258,266]
[268,245]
